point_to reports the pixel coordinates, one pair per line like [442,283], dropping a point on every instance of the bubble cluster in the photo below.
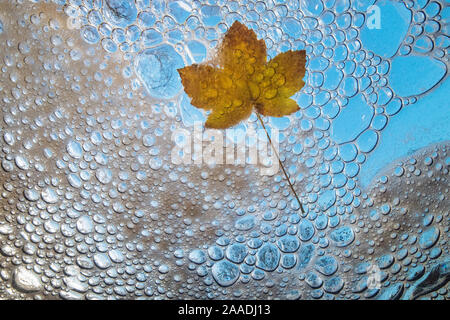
[92,206]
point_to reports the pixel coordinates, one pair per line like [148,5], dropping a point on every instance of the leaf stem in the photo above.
[281,164]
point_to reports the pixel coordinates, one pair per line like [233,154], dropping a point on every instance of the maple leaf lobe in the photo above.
[289,69]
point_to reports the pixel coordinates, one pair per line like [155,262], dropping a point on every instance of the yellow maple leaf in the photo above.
[241,78]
